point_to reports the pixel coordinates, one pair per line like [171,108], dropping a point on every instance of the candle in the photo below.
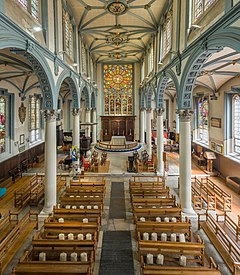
[63,257]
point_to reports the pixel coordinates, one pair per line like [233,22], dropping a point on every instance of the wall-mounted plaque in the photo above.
[216,122]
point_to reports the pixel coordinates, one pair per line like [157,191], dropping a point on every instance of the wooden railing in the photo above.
[117,147]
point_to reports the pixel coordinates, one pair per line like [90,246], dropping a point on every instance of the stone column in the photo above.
[50,161]
[94,127]
[142,127]
[160,142]
[185,164]
[88,120]
[149,133]
[177,123]
[76,133]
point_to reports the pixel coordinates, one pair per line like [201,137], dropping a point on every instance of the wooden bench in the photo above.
[227,248]
[177,270]
[152,202]
[164,227]
[194,251]
[14,173]
[40,158]
[151,213]
[78,201]
[30,264]
[201,190]
[31,193]
[145,184]
[94,191]
[149,193]
[13,232]
[223,198]
[148,178]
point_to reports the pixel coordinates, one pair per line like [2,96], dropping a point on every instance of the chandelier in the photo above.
[117,7]
[117,38]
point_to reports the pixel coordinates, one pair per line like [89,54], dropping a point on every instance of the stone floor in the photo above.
[119,174]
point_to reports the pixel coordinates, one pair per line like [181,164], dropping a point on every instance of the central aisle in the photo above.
[117,252]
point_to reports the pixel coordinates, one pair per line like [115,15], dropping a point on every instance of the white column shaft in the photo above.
[94,127]
[50,165]
[149,134]
[88,120]
[160,144]
[142,128]
[185,165]
[76,135]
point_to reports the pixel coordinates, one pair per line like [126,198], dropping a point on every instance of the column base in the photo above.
[190,213]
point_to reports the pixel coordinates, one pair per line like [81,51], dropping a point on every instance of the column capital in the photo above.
[94,109]
[184,115]
[160,111]
[87,109]
[75,111]
[148,110]
[142,109]
[50,114]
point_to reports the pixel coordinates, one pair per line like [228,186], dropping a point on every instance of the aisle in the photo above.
[117,251]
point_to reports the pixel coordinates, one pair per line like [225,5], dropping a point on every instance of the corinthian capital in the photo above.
[75,112]
[160,111]
[50,114]
[184,115]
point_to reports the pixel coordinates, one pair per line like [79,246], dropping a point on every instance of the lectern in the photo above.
[210,156]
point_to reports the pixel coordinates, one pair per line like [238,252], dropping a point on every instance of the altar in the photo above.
[118,140]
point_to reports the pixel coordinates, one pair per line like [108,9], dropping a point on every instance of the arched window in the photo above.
[3,112]
[34,118]
[167,34]
[203,120]
[236,124]
[84,59]
[150,59]
[68,34]
[200,7]
[31,6]
[118,88]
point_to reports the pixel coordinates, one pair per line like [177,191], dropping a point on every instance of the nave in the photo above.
[117,247]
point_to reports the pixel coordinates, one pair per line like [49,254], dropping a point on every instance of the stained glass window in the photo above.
[68,33]
[118,85]
[167,34]
[236,123]
[200,6]
[203,119]
[3,104]
[34,118]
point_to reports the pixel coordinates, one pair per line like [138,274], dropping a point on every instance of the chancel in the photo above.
[119,137]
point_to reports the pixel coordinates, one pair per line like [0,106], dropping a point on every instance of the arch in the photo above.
[162,84]
[31,52]
[85,91]
[150,91]
[142,98]
[73,87]
[93,99]
[195,62]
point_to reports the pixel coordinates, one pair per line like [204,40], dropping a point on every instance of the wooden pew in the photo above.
[227,248]
[31,193]
[164,227]
[94,191]
[29,264]
[206,194]
[149,193]
[78,201]
[14,173]
[151,213]
[194,251]
[223,198]
[148,178]
[145,184]
[152,202]
[177,270]
[232,227]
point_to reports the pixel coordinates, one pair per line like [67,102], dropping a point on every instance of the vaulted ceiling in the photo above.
[117,30]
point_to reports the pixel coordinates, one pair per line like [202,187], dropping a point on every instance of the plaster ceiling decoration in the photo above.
[117,28]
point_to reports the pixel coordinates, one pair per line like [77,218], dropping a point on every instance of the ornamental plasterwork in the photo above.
[50,114]
[75,112]
[184,115]
[160,111]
